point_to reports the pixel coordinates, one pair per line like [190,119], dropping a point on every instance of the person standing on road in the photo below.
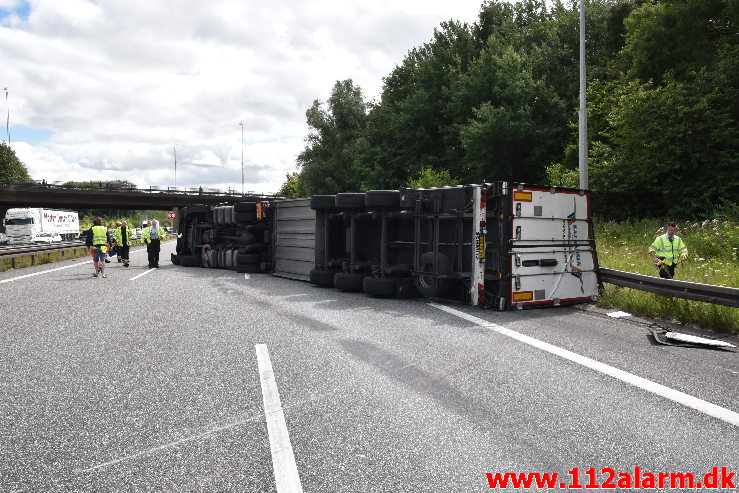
[123,235]
[667,251]
[152,236]
[99,243]
[115,243]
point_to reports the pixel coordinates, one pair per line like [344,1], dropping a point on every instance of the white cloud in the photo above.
[119,83]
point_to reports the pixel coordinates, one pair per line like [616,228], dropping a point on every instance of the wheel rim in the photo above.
[426,278]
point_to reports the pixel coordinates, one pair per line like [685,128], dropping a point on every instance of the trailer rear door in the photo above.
[552,250]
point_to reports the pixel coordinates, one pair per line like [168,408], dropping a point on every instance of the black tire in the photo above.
[382,198]
[400,270]
[257,228]
[245,217]
[348,282]
[255,247]
[427,285]
[248,258]
[175,259]
[322,277]
[190,261]
[380,286]
[322,202]
[246,207]
[248,269]
[194,209]
[349,200]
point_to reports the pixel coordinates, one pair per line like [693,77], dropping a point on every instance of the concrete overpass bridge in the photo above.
[36,194]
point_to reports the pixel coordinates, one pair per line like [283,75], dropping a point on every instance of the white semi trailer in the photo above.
[23,224]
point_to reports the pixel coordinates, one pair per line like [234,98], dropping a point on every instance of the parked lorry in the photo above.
[501,245]
[23,224]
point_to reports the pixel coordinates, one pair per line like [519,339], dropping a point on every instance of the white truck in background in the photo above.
[23,224]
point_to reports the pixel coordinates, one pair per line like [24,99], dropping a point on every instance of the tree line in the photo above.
[498,100]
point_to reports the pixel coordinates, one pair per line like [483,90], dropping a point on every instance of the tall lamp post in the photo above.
[583,120]
[175,165]
[242,157]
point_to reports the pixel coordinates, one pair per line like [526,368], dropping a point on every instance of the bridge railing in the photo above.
[126,187]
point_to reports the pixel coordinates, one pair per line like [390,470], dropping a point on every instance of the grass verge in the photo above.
[712,260]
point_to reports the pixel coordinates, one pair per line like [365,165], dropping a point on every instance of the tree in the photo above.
[428,177]
[293,186]
[11,168]
[332,160]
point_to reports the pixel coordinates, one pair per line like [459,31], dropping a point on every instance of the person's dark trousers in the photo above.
[123,252]
[667,272]
[153,250]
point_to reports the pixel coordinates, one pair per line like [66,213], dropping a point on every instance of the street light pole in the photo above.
[242,157]
[583,120]
[175,165]
[7,122]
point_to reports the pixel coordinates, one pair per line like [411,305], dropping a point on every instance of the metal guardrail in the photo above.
[718,295]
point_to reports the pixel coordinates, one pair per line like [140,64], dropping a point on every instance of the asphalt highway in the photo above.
[152,380]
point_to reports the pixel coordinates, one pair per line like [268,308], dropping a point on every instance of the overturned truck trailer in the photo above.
[500,245]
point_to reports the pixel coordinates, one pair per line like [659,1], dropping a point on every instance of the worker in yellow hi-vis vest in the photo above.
[99,242]
[667,251]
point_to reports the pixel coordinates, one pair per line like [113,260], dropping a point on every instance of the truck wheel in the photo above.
[380,286]
[349,200]
[190,261]
[174,258]
[427,285]
[322,277]
[382,198]
[248,268]
[321,202]
[248,258]
[255,247]
[246,207]
[245,217]
[257,228]
[348,282]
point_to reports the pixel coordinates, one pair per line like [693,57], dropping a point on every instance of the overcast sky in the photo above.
[104,89]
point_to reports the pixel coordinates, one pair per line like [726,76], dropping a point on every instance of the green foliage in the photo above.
[11,168]
[428,178]
[498,100]
[293,186]
[713,245]
[330,162]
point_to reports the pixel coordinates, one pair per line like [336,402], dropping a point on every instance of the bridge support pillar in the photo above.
[176,222]
[3,211]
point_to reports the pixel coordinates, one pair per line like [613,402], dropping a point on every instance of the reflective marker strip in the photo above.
[522,196]
[674,395]
[287,479]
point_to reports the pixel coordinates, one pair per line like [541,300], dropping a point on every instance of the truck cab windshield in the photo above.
[17,221]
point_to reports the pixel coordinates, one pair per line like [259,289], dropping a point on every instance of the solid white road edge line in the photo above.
[287,479]
[674,395]
[142,274]
[44,272]
[55,269]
